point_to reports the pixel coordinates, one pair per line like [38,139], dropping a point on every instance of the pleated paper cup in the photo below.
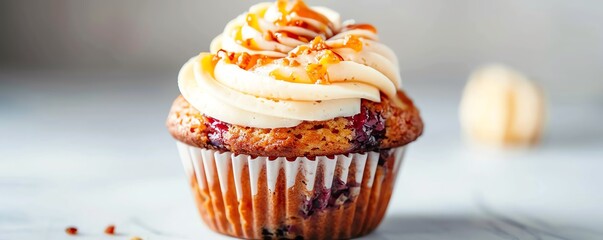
[335,197]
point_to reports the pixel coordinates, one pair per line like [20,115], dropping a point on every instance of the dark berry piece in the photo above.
[319,201]
[217,130]
[369,128]
[284,231]
[340,193]
[266,232]
[292,229]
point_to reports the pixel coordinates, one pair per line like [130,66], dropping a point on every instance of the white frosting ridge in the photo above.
[255,96]
[202,100]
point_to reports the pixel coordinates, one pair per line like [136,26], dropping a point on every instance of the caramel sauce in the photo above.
[362,26]
[286,9]
[315,45]
[291,77]
[302,24]
[328,57]
[238,36]
[252,21]
[249,42]
[284,18]
[282,33]
[252,44]
[278,35]
[244,60]
[222,55]
[318,44]
[287,62]
[302,10]
[276,74]
[353,42]
[270,36]
[316,71]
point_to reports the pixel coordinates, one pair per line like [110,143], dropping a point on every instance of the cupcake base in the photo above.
[326,197]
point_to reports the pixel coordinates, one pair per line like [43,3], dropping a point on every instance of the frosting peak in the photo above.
[283,63]
[274,29]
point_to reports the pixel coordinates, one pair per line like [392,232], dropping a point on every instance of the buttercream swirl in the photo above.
[283,63]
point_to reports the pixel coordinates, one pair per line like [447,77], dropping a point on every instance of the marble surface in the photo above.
[90,150]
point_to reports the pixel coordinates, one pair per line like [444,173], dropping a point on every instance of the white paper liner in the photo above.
[205,164]
[194,159]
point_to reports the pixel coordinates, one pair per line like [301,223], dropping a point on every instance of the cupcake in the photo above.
[293,126]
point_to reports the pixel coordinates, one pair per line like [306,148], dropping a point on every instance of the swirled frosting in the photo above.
[283,63]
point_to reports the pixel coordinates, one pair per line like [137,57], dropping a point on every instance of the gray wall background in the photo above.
[558,42]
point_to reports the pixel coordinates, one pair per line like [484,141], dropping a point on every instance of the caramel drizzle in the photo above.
[325,56]
[285,19]
[362,26]
[301,9]
[317,72]
[244,60]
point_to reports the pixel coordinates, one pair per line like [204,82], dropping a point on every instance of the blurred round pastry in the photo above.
[501,106]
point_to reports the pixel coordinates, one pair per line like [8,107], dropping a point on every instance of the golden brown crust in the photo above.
[311,138]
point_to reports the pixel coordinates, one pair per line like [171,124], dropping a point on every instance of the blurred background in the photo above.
[556,41]
[85,87]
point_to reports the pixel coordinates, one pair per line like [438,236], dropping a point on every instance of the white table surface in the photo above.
[91,149]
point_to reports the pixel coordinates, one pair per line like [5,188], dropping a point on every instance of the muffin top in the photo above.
[288,66]
[379,125]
